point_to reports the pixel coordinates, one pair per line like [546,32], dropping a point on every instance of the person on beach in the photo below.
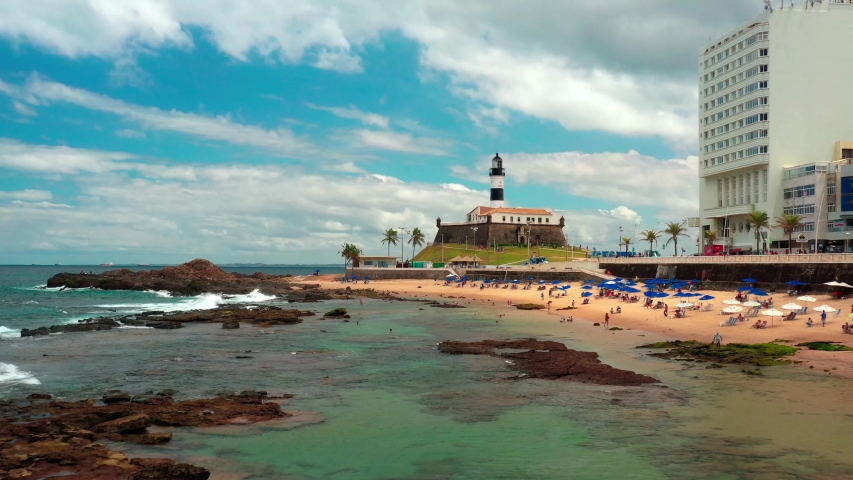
[718,339]
[665,310]
[809,322]
[573,304]
[542,296]
[822,319]
[606,320]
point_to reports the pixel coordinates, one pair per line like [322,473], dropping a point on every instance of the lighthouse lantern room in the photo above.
[497,176]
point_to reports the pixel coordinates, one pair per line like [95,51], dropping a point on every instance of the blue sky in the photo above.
[147,131]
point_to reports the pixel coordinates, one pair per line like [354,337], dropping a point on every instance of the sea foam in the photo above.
[205,301]
[11,374]
[9,333]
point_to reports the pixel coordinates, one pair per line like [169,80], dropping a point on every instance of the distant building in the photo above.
[774,122]
[501,225]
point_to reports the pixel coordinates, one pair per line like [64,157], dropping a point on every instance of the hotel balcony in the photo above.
[722,212]
[734,165]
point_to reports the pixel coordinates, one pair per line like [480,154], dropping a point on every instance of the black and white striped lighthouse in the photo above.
[496,176]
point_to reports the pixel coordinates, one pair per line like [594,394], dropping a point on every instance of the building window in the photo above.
[800,210]
[799,192]
[830,190]
[831,208]
[511,220]
[504,219]
[765,185]
[719,192]
[540,219]
[740,189]
[805,227]
[748,188]
[847,153]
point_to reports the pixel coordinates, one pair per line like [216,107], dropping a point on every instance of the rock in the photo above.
[151,462]
[243,356]
[85,326]
[39,396]
[232,325]
[530,306]
[154,438]
[550,360]
[172,471]
[336,313]
[167,393]
[130,423]
[116,397]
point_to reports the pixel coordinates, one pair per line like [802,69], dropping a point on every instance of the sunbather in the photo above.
[809,322]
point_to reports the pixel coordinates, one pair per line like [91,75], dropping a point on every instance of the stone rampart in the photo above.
[489,234]
[402,273]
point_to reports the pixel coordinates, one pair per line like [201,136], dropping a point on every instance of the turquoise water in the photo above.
[393,407]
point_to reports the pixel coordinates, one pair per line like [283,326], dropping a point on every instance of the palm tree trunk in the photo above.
[389,249]
[675,245]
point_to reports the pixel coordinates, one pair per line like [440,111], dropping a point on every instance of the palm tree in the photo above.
[650,236]
[351,254]
[626,241]
[710,237]
[675,230]
[390,237]
[758,220]
[416,239]
[789,224]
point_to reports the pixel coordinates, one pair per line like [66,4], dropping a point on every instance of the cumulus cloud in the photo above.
[401,142]
[23,109]
[631,177]
[555,60]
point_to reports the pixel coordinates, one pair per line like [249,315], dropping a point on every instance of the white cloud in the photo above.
[631,178]
[229,212]
[624,213]
[23,109]
[367,118]
[342,62]
[553,60]
[28,195]
[402,142]
[129,133]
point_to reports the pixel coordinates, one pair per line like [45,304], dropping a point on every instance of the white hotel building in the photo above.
[775,120]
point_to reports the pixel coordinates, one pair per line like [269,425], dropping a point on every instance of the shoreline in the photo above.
[700,326]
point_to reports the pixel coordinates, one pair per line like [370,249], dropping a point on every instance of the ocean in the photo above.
[393,407]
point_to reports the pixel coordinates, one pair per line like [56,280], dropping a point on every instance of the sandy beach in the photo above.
[696,325]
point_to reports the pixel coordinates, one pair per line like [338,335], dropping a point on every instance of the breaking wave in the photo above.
[9,333]
[206,301]
[11,374]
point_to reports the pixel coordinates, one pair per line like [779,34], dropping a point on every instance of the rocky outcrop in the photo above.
[549,360]
[191,278]
[42,438]
[84,326]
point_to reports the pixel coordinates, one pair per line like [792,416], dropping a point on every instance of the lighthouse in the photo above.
[496,177]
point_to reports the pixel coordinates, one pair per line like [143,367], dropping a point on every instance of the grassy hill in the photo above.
[509,255]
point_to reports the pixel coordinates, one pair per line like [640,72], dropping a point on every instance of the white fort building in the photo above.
[775,123]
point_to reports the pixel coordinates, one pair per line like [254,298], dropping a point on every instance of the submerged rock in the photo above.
[760,354]
[550,360]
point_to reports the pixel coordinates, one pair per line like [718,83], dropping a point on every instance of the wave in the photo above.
[205,301]
[9,333]
[11,374]
[160,293]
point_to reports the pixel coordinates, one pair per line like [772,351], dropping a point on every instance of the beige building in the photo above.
[775,119]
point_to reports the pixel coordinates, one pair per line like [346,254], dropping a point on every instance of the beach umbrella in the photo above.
[531,278]
[751,303]
[792,306]
[743,289]
[586,287]
[586,294]
[516,281]
[824,308]
[806,298]
[833,284]
[589,281]
[842,284]
[487,281]
[556,282]
[541,282]
[661,295]
[772,313]
[796,283]
[749,280]
[631,290]
[618,279]
[706,298]
[450,276]
[650,294]
[684,305]
[731,301]
[732,309]
[759,293]
[609,282]
[681,295]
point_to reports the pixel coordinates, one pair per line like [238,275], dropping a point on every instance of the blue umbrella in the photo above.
[586,287]
[743,289]
[749,280]
[630,290]
[541,282]
[531,278]
[556,282]
[706,297]
[661,295]
[650,294]
[759,293]
[515,281]
[796,283]
[586,294]
[487,281]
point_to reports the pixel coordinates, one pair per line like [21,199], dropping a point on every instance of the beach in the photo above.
[696,325]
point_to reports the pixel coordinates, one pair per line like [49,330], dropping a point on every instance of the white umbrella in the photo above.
[751,303]
[772,313]
[731,301]
[732,309]
[807,299]
[842,284]
[824,308]
[792,306]
[833,284]
[685,305]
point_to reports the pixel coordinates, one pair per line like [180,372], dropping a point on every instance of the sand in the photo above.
[696,325]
